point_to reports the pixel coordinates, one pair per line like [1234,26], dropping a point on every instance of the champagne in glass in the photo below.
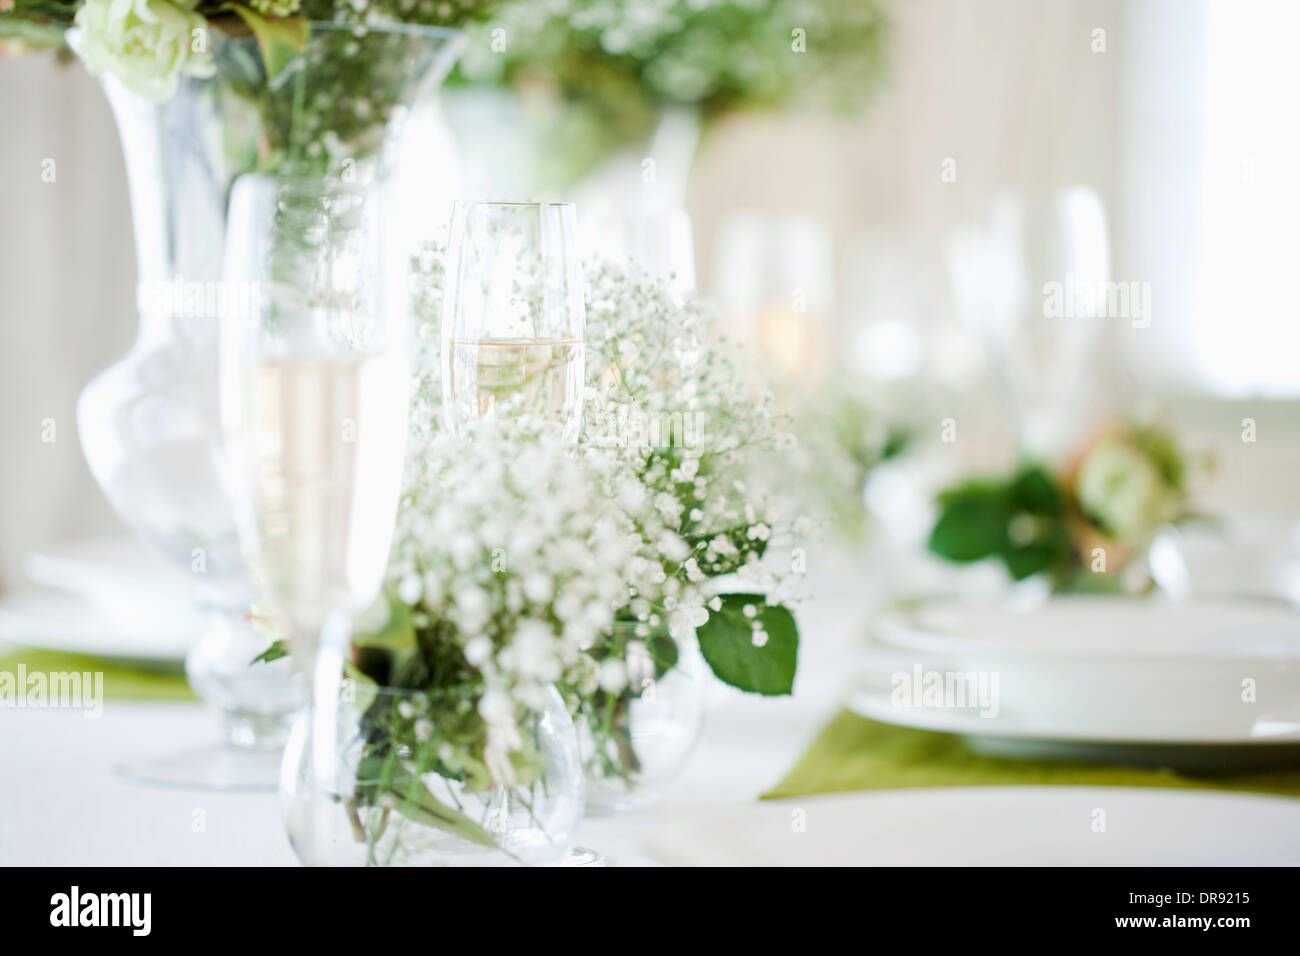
[326,450]
[513,315]
[541,377]
[314,395]
[314,405]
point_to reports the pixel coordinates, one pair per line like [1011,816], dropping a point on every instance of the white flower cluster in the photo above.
[527,552]
[672,400]
[529,549]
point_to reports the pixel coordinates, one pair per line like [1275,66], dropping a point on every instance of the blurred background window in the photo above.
[834,239]
[1246,326]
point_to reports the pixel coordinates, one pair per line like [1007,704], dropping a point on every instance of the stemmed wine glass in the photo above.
[513,315]
[314,390]
[1003,274]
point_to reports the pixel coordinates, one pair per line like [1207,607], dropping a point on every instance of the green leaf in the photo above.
[386,624]
[727,641]
[384,641]
[663,651]
[363,687]
[31,34]
[280,38]
[1030,559]
[1035,490]
[273,653]
[970,527]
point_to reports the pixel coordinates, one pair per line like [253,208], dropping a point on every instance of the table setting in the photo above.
[458,524]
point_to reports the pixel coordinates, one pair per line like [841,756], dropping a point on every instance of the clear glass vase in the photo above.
[636,741]
[149,423]
[414,781]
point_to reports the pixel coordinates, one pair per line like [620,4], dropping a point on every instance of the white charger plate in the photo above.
[991,826]
[1101,671]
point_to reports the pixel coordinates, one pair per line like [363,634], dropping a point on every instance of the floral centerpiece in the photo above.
[614,66]
[314,102]
[1081,525]
[508,562]
[523,564]
[202,93]
[694,440]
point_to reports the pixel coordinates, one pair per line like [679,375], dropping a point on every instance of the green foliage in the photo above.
[727,642]
[615,64]
[279,38]
[38,24]
[1021,520]
[276,651]
[607,714]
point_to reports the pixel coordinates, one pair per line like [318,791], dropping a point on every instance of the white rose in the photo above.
[147,44]
[1121,488]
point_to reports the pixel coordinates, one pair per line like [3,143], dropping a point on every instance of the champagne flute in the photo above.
[513,315]
[1003,274]
[513,324]
[314,406]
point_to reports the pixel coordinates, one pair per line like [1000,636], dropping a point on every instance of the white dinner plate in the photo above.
[1095,669]
[991,826]
[1088,628]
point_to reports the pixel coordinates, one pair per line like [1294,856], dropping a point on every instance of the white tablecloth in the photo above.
[61,801]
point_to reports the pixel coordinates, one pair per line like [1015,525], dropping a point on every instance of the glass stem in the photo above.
[324,666]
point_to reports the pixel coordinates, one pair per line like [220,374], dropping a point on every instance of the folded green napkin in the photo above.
[854,753]
[121,681]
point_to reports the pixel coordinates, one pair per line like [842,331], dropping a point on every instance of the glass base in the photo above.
[216,767]
[582,856]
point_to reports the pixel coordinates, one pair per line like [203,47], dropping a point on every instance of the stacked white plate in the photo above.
[1200,685]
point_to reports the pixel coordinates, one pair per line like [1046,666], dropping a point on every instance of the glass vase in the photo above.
[414,780]
[637,740]
[149,423]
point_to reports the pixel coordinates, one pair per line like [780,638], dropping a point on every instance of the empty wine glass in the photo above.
[1027,282]
[314,409]
[513,315]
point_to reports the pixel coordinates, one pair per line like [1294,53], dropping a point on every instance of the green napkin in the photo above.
[121,681]
[854,753]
